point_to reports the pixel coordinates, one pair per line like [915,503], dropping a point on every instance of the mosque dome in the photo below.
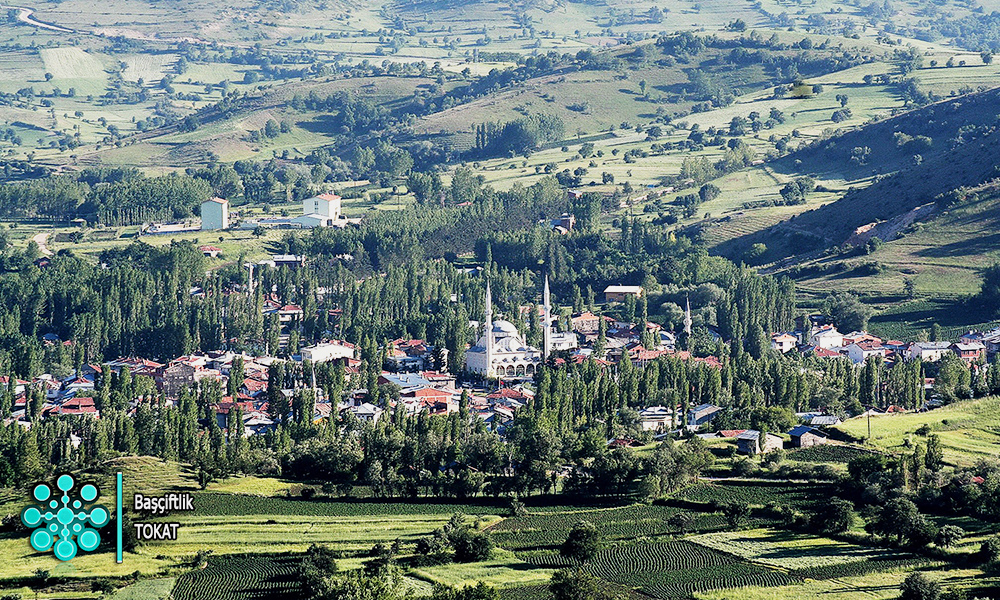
[504,327]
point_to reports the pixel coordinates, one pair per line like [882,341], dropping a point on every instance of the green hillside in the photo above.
[911,160]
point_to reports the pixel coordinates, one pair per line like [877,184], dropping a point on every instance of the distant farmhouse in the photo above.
[749,442]
[804,436]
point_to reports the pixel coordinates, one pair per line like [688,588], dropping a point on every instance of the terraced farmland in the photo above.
[756,492]
[240,577]
[673,569]
[244,504]
[548,530]
[802,553]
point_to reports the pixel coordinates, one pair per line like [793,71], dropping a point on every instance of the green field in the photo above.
[879,586]
[548,530]
[968,430]
[793,551]
[674,569]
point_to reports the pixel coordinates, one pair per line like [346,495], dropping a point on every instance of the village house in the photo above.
[822,352]
[826,337]
[825,421]
[971,352]
[656,418]
[320,211]
[435,400]
[859,337]
[618,293]
[74,406]
[327,351]
[586,323]
[291,261]
[701,414]
[210,251]
[926,351]
[409,355]
[804,436]
[562,225]
[859,352]
[364,411]
[749,442]
[404,380]
[783,342]
[214,214]
[183,374]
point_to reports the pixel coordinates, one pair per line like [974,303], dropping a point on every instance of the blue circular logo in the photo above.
[63,523]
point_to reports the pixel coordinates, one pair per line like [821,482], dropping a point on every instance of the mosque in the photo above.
[502,350]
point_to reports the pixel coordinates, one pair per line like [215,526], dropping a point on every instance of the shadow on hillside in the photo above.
[965,247]
[321,124]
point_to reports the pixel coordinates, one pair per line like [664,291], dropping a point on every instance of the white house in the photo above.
[312,220]
[927,351]
[826,337]
[324,205]
[618,293]
[656,418]
[859,352]
[364,411]
[783,342]
[327,351]
[214,214]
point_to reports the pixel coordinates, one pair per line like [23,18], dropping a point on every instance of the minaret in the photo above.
[546,322]
[687,318]
[489,331]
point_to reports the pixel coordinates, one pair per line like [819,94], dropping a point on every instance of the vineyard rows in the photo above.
[549,530]
[827,453]
[239,578]
[682,584]
[671,569]
[861,567]
[759,494]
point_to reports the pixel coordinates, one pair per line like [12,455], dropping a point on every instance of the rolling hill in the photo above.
[913,159]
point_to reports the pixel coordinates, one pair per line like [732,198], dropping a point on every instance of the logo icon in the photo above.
[65,524]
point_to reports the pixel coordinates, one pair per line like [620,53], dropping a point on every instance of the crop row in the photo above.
[245,504]
[671,569]
[757,493]
[565,520]
[684,583]
[861,567]
[549,531]
[240,577]
[641,557]
[827,453]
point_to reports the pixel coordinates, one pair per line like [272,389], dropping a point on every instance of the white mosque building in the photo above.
[502,350]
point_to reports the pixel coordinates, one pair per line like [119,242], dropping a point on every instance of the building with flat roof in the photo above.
[214,214]
[618,293]
[324,206]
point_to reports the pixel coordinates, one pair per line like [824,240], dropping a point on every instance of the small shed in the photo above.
[804,436]
[825,421]
[749,442]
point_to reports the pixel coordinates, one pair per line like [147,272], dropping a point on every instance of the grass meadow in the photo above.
[968,430]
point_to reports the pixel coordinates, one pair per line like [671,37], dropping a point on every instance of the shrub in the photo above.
[918,586]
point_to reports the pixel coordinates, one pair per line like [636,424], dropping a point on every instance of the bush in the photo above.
[918,586]
[472,546]
[989,550]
